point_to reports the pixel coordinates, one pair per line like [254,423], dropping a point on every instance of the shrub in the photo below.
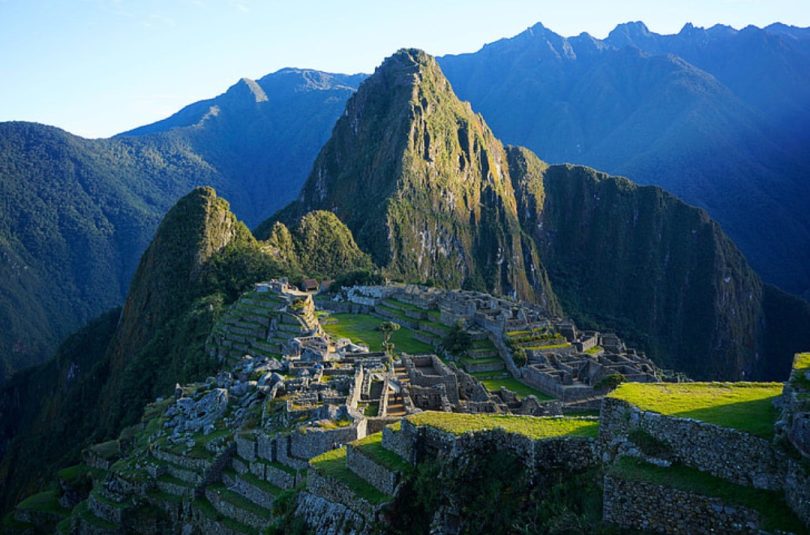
[609,382]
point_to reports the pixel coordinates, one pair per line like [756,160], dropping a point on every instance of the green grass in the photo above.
[743,406]
[775,514]
[391,302]
[372,409]
[362,328]
[260,484]
[45,502]
[547,347]
[485,360]
[203,505]
[333,464]
[107,450]
[240,501]
[494,383]
[594,350]
[529,426]
[72,473]
[371,446]
[801,365]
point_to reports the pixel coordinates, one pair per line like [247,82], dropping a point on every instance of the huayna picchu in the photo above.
[442,334]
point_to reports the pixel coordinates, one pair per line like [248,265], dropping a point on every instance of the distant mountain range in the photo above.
[416,179]
[79,213]
[716,116]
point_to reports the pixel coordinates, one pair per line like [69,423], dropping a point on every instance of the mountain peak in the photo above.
[634,28]
[247,91]
[424,185]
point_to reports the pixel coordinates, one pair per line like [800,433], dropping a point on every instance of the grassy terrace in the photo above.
[547,347]
[371,446]
[744,406]
[801,365]
[362,328]
[44,502]
[775,514]
[529,426]
[333,464]
[494,381]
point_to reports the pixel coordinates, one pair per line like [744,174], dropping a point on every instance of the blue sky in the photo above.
[98,67]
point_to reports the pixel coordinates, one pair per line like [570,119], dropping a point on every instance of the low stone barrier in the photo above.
[732,455]
[378,476]
[334,491]
[649,507]
[797,489]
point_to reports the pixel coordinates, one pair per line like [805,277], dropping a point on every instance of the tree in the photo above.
[458,341]
[388,328]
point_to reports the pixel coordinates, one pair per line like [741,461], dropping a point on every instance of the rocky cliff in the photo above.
[640,260]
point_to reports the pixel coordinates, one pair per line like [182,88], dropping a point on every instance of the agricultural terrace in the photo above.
[743,406]
[363,329]
[529,426]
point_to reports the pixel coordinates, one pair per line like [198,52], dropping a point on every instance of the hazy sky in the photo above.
[98,67]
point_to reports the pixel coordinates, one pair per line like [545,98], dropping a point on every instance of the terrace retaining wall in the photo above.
[732,455]
[641,505]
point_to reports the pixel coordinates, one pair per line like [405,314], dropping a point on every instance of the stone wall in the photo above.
[732,455]
[378,476]
[550,385]
[335,491]
[649,507]
[329,518]
[314,441]
[399,442]
[797,489]
[571,454]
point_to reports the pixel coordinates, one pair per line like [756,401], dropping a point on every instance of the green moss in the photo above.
[775,514]
[333,464]
[743,406]
[529,426]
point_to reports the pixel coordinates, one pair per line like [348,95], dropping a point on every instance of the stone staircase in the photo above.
[395,406]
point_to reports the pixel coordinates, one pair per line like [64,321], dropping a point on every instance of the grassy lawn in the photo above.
[333,464]
[529,426]
[775,514]
[594,350]
[744,406]
[493,383]
[371,446]
[362,328]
